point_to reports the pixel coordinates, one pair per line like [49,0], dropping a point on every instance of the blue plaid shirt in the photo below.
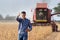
[23,25]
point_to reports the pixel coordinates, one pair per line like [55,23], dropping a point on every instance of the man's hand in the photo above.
[27,30]
[18,14]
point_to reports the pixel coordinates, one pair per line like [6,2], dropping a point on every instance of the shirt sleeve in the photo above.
[18,19]
[30,25]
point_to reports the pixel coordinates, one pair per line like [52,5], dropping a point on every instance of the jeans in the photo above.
[22,37]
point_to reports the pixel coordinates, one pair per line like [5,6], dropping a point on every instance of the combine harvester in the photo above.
[42,14]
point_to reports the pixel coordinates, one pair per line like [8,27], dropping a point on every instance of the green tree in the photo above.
[57,9]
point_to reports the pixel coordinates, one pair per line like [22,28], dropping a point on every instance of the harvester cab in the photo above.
[42,14]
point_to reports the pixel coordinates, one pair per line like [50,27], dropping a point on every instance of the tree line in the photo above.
[7,18]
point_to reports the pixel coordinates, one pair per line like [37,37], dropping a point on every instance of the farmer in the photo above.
[24,26]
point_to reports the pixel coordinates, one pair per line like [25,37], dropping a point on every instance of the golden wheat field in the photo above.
[9,31]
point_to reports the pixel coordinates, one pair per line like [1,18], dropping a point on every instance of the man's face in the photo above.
[23,15]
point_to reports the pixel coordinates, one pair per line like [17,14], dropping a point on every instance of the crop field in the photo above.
[9,31]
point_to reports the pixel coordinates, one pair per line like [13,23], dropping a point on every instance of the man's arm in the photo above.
[18,19]
[29,27]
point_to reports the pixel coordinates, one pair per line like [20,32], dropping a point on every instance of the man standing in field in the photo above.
[24,26]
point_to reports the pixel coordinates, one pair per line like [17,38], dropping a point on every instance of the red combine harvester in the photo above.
[42,15]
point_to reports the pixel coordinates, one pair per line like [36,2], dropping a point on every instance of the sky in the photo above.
[13,7]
